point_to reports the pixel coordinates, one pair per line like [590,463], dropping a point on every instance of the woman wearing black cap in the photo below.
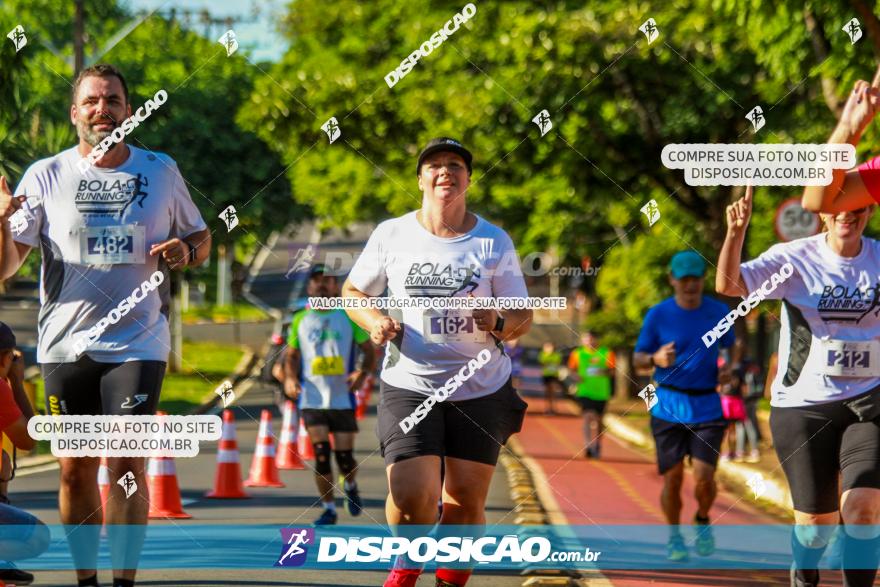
[445,383]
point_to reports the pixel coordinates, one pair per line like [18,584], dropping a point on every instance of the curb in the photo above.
[775,493]
[240,373]
[536,505]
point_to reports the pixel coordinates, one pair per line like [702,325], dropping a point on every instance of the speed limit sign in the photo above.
[793,222]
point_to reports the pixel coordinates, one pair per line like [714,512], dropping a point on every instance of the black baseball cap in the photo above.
[7,337]
[318,269]
[445,144]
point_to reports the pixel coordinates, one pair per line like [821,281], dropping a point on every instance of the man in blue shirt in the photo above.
[687,418]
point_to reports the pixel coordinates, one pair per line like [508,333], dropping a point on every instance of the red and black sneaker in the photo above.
[402,577]
[452,577]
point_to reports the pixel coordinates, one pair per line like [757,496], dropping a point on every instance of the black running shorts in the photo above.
[471,430]
[675,440]
[335,420]
[89,388]
[816,445]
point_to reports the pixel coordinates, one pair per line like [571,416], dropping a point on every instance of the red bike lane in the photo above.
[623,488]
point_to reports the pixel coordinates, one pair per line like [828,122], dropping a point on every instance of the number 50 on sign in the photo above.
[794,222]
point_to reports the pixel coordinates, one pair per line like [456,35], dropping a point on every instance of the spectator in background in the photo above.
[24,535]
[734,408]
[753,390]
[550,361]
[592,366]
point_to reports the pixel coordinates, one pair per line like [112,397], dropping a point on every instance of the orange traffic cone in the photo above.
[306,451]
[227,480]
[363,398]
[288,452]
[164,491]
[264,473]
[104,484]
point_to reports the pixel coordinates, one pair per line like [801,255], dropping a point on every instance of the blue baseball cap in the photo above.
[687,264]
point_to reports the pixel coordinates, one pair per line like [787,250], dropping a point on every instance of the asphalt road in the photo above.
[294,505]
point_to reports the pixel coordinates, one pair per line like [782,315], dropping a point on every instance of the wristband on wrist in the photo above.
[499,324]
[191,255]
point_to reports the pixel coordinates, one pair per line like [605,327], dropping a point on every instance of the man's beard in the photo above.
[91,136]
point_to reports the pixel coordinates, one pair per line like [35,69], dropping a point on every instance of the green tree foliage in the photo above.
[222,162]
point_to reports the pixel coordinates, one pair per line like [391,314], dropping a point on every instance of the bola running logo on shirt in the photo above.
[138,295]
[841,303]
[110,198]
[435,279]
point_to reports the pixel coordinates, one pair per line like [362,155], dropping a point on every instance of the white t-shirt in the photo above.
[827,297]
[94,231]
[411,262]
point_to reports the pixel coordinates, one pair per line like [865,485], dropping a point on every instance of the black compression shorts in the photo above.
[816,445]
[334,420]
[471,430]
[90,388]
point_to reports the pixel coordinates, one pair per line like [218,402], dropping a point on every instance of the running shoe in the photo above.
[15,576]
[328,518]
[705,543]
[402,578]
[754,457]
[803,578]
[676,551]
[353,503]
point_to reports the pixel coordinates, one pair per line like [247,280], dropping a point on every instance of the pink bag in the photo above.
[734,407]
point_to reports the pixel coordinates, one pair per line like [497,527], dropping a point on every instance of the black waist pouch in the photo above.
[866,407]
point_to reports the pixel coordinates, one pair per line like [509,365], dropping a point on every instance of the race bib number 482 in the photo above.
[112,245]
